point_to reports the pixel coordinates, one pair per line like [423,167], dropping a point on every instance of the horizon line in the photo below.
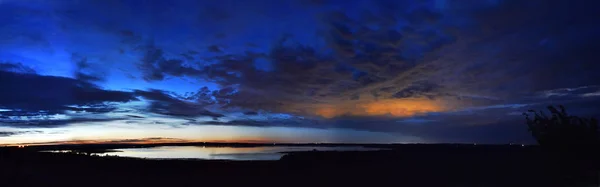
[158,141]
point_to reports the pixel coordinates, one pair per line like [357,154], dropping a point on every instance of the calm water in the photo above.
[220,153]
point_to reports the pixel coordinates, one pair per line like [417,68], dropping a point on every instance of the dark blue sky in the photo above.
[424,71]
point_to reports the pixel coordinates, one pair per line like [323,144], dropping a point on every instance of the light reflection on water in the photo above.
[220,153]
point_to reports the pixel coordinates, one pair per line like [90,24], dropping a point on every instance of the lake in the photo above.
[222,153]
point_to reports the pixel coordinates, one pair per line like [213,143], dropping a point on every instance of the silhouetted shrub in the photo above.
[562,130]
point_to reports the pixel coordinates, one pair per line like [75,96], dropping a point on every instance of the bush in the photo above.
[562,130]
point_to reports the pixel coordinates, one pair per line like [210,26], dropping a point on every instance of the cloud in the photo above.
[163,103]
[154,65]
[52,123]
[308,78]
[420,52]
[418,90]
[214,49]
[14,133]
[49,101]
[42,101]
[83,70]
[251,113]
[584,91]
[495,124]
[302,78]
[16,67]
[362,65]
[31,91]
[135,116]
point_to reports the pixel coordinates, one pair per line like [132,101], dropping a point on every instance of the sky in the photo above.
[298,71]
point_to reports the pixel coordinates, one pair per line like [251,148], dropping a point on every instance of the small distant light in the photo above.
[474,144]
[522,145]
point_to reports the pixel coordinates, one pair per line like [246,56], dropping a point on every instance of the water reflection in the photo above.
[220,153]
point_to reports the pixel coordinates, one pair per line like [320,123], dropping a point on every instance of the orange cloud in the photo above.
[393,107]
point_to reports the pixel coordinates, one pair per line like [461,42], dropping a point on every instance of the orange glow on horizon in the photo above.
[394,107]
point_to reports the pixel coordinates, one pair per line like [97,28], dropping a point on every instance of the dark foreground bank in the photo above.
[410,165]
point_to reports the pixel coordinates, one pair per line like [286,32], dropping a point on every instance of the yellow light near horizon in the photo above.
[393,107]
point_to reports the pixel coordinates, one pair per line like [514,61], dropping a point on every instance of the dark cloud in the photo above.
[290,78]
[187,56]
[84,70]
[13,133]
[51,123]
[214,49]
[163,103]
[155,66]
[134,116]
[16,67]
[31,91]
[401,51]
[37,98]
[355,97]
[480,58]
[5,134]
[260,123]
[251,113]
[419,89]
[301,74]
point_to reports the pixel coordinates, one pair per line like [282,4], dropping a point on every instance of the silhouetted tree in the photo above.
[571,139]
[562,130]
